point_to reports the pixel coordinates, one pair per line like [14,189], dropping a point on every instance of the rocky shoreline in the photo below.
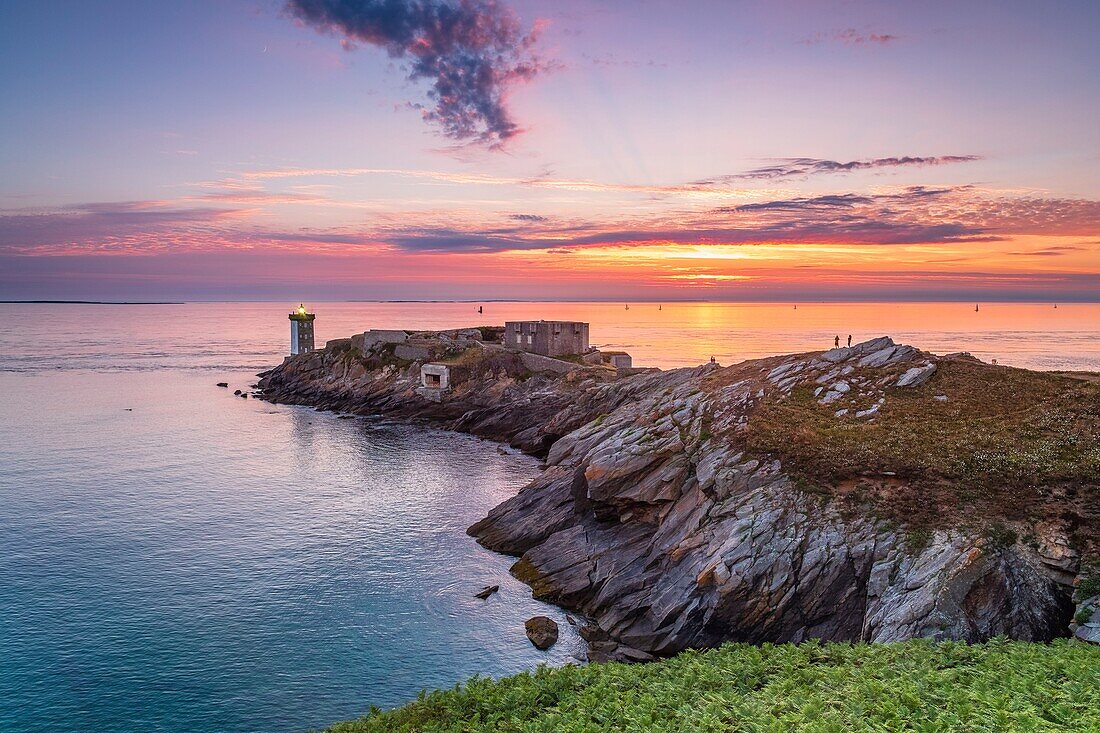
[872,493]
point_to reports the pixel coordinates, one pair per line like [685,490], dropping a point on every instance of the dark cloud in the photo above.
[795,167]
[471,51]
[801,204]
[914,215]
[1050,251]
[852,230]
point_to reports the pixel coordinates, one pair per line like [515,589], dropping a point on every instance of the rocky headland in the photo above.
[875,493]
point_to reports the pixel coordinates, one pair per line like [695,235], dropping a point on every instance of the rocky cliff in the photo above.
[875,493]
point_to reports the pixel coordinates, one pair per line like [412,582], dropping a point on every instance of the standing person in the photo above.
[849,341]
[836,342]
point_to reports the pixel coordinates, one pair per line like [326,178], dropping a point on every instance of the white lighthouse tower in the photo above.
[301,331]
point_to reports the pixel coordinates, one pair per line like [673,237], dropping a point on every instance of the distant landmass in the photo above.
[95,302]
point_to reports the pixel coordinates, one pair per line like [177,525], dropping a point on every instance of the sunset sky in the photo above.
[579,149]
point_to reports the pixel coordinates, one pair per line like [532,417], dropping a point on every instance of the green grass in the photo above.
[914,686]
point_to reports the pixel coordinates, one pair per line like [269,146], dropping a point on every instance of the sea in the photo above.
[175,558]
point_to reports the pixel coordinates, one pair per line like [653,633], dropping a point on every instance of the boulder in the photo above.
[1088,621]
[222,384]
[486,591]
[917,376]
[542,631]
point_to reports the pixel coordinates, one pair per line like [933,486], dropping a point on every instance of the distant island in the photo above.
[90,302]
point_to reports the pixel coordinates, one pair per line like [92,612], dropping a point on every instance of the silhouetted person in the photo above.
[836,342]
[849,341]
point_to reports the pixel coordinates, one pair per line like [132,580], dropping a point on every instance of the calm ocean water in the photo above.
[173,558]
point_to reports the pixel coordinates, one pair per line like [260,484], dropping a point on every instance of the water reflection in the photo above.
[254,335]
[207,563]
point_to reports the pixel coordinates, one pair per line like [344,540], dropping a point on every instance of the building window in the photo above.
[529,338]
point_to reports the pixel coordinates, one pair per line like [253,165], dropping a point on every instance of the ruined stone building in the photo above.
[548,338]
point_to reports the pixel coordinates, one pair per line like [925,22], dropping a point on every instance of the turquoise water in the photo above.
[174,558]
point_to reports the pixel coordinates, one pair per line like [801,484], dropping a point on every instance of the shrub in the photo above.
[910,686]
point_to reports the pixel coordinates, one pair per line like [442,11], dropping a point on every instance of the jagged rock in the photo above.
[916,376]
[654,520]
[613,651]
[542,631]
[486,591]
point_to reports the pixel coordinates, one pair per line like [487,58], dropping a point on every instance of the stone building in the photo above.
[548,338]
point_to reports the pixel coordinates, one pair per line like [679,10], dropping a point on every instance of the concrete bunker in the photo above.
[435,376]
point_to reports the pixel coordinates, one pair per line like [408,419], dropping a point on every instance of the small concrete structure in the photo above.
[435,376]
[613,359]
[381,336]
[548,338]
[618,359]
[301,331]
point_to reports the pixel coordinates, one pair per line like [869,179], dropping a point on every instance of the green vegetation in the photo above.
[1008,445]
[917,539]
[914,686]
[1090,582]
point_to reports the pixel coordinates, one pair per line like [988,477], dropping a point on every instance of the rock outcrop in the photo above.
[542,631]
[874,493]
[1086,625]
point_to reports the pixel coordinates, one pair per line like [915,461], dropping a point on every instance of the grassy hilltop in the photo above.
[916,686]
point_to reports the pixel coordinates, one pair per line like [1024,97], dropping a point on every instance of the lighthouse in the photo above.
[301,330]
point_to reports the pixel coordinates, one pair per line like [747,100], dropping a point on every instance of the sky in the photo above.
[576,149]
